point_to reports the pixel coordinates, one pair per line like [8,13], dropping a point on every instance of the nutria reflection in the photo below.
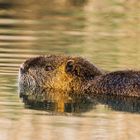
[64,103]
[56,101]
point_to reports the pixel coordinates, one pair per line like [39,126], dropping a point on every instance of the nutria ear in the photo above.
[70,66]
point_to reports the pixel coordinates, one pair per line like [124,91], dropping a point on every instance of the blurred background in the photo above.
[106,32]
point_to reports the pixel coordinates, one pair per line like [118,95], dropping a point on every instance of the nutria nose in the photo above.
[22,69]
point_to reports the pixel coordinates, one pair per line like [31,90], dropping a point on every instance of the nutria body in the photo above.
[73,76]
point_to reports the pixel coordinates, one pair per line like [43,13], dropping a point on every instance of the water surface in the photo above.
[105,32]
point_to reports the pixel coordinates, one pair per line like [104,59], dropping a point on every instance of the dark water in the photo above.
[105,32]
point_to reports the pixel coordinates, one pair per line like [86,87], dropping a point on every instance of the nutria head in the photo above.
[56,73]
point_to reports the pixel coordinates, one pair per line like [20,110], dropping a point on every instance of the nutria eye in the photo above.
[70,66]
[48,68]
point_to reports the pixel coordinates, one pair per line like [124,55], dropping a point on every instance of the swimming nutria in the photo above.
[75,76]
[56,74]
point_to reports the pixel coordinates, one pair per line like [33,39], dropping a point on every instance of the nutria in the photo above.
[55,74]
[74,76]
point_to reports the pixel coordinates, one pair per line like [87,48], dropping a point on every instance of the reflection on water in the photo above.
[105,32]
[62,102]
[57,102]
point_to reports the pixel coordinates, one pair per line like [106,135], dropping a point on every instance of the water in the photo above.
[105,32]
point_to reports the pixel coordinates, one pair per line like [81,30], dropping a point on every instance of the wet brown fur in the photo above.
[120,83]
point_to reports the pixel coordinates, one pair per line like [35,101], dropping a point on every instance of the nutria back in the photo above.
[120,83]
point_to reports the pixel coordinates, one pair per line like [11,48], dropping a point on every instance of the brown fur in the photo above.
[121,83]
